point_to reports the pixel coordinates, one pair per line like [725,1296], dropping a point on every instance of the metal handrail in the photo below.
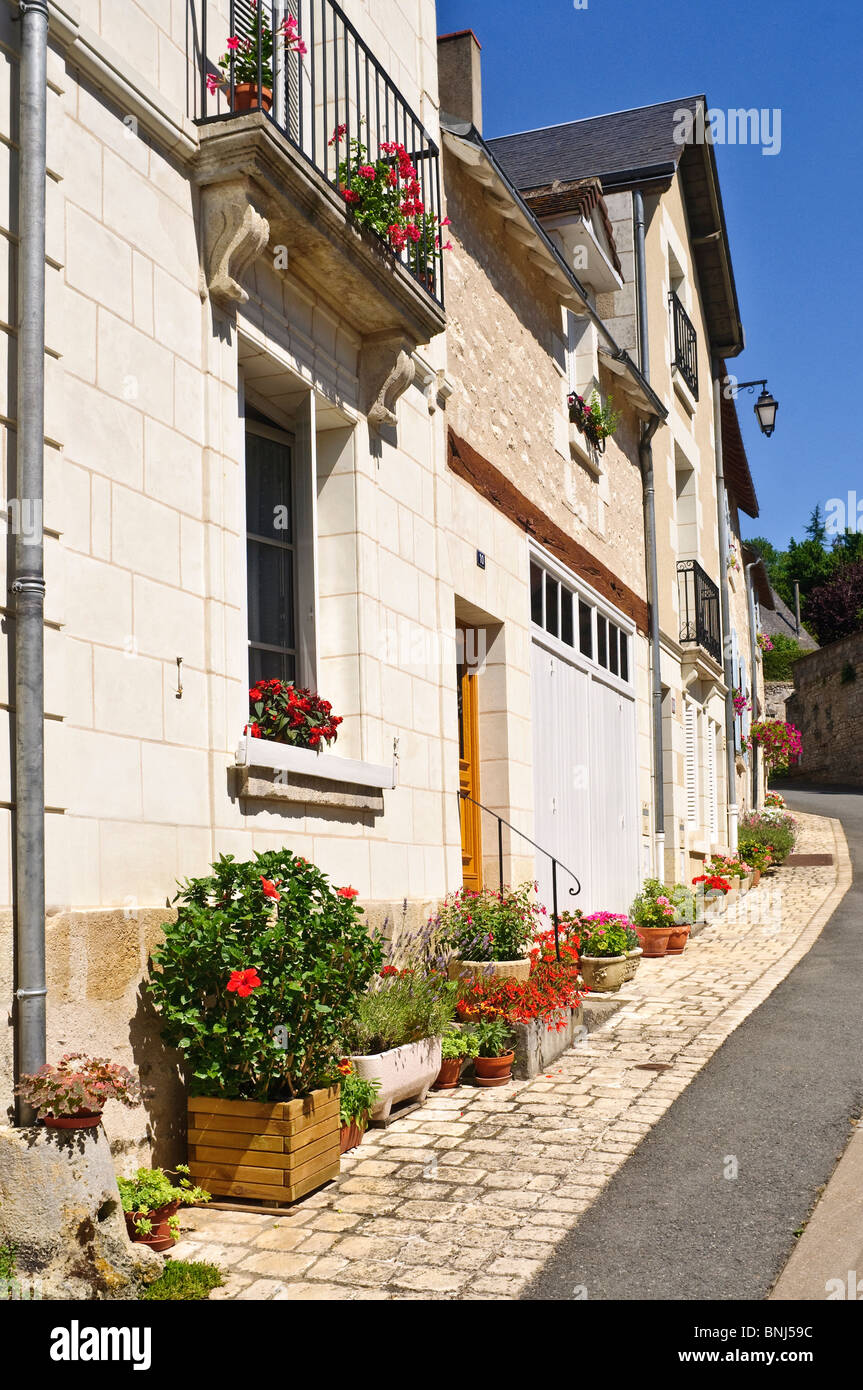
[685,344]
[321,101]
[555,862]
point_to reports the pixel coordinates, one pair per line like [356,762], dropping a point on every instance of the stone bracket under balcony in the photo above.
[258,191]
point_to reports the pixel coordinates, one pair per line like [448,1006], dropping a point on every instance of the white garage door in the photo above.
[584,743]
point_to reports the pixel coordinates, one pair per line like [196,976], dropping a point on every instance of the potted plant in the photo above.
[773,827]
[394,1034]
[385,196]
[73,1094]
[286,713]
[489,934]
[150,1202]
[252,982]
[604,951]
[495,1054]
[249,60]
[633,952]
[652,914]
[458,1045]
[597,422]
[357,1098]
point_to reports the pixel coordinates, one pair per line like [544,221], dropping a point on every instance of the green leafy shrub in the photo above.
[402,1007]
[604,934]
[8,1260]
[778,664]
[773,828]
[184,1281]
[256,975]
[489,925]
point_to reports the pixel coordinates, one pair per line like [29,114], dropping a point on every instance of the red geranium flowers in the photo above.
[242,982]
[287,713]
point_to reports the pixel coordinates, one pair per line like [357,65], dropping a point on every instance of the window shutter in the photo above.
[690,761]
[712,785]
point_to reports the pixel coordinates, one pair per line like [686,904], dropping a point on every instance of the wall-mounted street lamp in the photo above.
[765,407]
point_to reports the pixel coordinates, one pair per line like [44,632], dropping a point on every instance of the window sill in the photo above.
[584,452]
[270,771]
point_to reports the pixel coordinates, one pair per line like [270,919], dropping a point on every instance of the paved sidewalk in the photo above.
[471,1195]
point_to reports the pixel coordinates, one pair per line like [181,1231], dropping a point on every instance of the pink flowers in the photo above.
[233,44]
[366,171]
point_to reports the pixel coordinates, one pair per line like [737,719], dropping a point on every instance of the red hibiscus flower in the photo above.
[242,982]
[348,892]
[270,889]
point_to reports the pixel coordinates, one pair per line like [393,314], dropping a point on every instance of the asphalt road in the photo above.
[778,1096]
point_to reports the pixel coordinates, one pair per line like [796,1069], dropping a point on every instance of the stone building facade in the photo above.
[215,316]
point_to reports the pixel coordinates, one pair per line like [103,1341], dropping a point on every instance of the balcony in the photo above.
[279,129]
[698,598]
[685,345]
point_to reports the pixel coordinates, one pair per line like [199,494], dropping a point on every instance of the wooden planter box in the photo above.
[276,1152]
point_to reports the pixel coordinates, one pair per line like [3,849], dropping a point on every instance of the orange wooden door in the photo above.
[468,768]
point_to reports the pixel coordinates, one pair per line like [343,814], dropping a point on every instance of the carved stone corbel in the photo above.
[235,234]
[387,370]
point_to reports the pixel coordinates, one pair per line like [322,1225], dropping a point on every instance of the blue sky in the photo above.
[794,219]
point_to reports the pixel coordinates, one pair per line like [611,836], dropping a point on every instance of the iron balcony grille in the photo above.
[699,608]
[322,101]
[685,345]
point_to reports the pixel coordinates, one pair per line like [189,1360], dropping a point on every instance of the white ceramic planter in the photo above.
[489,969]
[404,1073]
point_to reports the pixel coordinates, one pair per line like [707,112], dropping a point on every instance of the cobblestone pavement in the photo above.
[468,1196]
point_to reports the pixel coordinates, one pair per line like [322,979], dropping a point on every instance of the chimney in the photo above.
[460,76]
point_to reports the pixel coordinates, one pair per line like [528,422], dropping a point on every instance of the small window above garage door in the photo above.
[574,618]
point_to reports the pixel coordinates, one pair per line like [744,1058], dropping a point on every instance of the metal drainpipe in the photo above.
[725,607]
[645,453]
[29,584]
[753,663]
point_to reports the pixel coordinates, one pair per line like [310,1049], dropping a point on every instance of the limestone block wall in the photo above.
[827,707]
[505,358]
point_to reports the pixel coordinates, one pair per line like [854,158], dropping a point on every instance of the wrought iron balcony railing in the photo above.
[699,608]
[685,345]
[302,64]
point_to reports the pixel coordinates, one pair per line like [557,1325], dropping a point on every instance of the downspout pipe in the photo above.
[29,583]
[753,666]
[725,610]
[645,454]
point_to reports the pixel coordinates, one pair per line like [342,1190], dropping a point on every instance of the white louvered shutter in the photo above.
[690,761]
[712,784]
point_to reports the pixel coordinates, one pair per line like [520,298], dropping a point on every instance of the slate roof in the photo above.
[781,620]
[638,148]
[623,147]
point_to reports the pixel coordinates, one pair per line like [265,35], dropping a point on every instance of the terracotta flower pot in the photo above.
[677,939]
[449,1074]
[654,941]
[351,1136]
[160,1237]
[604,974]
[756,878]
[494,1071]
[82,1119]
[245,97]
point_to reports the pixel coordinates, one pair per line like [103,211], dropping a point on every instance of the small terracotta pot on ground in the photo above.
[245,97]
[160,1237]
[604,974]
[677,939]
[82,1119]
[756,877]
[351,1136]
[654,941]
[449,1074]
[493,1071]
